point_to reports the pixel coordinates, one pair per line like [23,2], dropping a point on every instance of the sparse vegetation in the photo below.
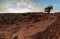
[31,22]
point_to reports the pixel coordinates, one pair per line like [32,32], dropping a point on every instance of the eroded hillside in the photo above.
[29,26]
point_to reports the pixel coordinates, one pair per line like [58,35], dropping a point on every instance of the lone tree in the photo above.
[48,9]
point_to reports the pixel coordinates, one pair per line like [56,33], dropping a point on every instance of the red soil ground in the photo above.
[35,25]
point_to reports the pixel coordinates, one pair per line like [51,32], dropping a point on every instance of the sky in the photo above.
[22,6]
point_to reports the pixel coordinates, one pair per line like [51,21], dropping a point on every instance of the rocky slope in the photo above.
[36,25]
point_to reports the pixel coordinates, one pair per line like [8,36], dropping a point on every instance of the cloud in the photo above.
[2,11]
[21,6]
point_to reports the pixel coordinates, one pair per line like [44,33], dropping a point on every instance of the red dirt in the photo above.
[29,26]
